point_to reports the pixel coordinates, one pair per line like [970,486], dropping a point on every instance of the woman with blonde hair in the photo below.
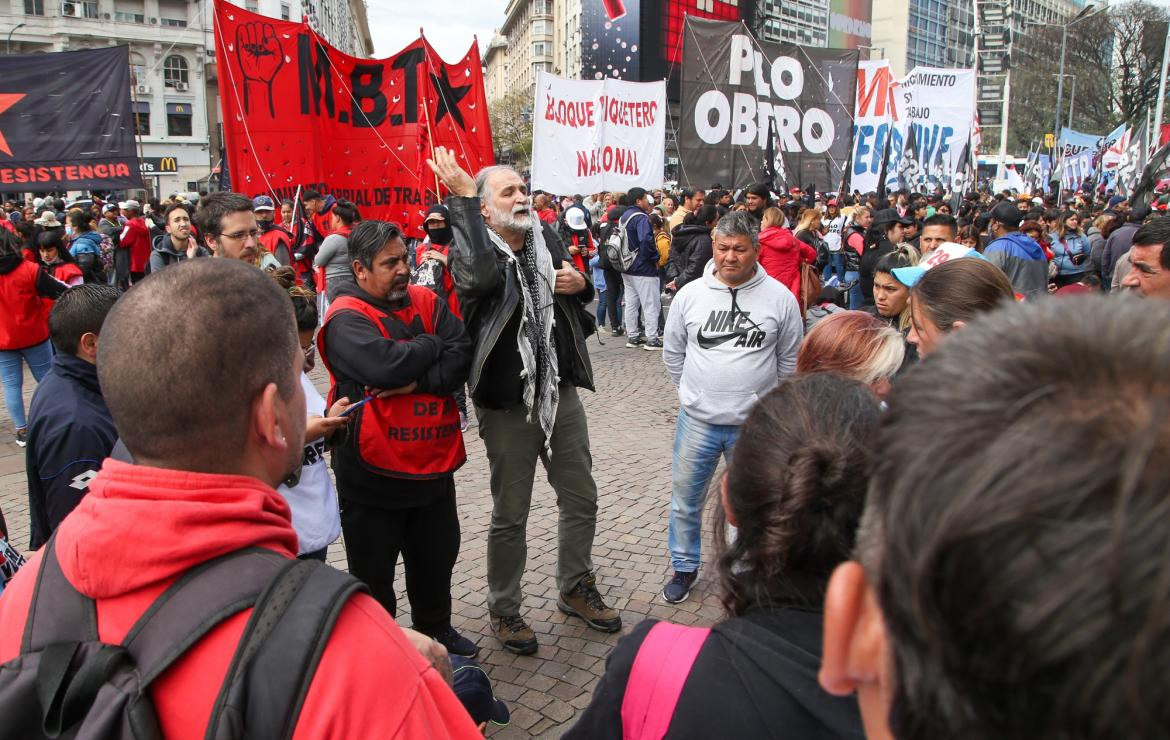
[781,253]
[855,344]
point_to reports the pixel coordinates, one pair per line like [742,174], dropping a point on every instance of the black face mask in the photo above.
[441,236]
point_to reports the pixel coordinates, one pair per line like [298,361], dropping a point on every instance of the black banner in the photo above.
[734,87]
[65,121]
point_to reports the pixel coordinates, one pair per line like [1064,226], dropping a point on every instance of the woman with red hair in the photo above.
[855,344]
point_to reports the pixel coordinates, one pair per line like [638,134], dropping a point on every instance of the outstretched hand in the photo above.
[456,179]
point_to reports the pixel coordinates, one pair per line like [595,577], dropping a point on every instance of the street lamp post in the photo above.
[8,44]
[1085,13]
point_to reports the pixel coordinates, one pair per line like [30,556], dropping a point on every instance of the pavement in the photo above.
[631,423]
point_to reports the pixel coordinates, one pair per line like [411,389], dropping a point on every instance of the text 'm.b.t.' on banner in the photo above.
[594,135]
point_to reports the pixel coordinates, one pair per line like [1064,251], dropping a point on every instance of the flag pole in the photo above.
[430,136]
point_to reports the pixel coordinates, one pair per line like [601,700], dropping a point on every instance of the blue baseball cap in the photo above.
[263,203]
[945,252]
[474,691]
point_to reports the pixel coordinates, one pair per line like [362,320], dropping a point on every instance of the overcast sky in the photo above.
[449,24]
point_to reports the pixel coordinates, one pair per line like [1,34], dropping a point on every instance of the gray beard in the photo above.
[502,221]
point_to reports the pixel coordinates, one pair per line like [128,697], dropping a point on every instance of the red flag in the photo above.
[298,112]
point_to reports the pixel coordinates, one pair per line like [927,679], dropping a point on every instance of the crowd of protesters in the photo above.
[917,423]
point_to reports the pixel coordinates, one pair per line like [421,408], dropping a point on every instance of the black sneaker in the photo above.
[21,437]
[633,343]
[456,643]
[618,332]
[514,634]
[653,344]
[679,587]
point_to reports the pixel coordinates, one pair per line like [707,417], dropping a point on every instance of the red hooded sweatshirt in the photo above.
[781,254]
[139,528]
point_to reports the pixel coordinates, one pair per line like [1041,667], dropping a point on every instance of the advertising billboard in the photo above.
[850,23]
[611,40]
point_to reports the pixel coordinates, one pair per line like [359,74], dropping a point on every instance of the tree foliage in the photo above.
[1116,55]
[511,118]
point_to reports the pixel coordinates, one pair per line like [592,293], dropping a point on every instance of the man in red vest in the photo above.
[400,346]
[212,411]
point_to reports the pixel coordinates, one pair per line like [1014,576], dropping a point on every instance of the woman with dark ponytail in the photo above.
[795,490]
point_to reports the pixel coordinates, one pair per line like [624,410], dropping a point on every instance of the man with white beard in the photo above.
[522,301]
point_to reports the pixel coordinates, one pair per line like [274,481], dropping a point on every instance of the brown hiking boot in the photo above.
[584,601]
[514,634]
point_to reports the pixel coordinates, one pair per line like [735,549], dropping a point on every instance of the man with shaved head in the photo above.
[523,302]
[212,410]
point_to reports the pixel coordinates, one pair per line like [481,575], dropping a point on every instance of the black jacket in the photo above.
[690,251]
[754,677]
[361,357]
[869,261]
[491,301]
[70,433]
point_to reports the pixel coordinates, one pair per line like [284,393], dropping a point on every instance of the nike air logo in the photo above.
[709,342]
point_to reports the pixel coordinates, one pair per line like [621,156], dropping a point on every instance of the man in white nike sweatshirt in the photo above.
[730,337]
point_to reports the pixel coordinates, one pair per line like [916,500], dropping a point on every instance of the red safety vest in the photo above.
[416,435]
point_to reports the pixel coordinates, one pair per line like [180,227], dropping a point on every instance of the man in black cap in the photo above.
[885,234]
[1017,254]
[759,197]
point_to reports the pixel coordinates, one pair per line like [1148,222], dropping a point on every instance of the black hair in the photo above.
[181,393]
[175,207]
[369,238]
[212,209]
[1155,232]
[304,300]
[347,212]
[942,219]
[703,216]
[900,257]
[689,193]
[797,489]
[79,311]
[80,220]
[1028,601]
[635,194]
[53,238]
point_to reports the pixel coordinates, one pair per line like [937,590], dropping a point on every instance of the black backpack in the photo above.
[67,684]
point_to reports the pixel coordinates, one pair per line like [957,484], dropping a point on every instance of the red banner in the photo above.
[299,112]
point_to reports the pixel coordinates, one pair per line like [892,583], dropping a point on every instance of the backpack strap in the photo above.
[656,680]
[280,649]
[59,613]
[195,604]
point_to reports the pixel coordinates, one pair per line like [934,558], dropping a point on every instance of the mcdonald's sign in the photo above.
[159,165]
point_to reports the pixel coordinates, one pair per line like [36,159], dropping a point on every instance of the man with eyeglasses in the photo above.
[228,225]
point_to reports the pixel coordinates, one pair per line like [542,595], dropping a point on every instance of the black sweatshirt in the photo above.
[754,677]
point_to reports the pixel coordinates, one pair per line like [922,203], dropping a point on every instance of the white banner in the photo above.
[874,117]
[594,135]
[940,105]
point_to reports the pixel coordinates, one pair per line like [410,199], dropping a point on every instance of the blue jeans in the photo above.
[39,357]
[836,267]
[697,446]
[855,298]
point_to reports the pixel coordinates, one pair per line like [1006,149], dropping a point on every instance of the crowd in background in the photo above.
[921,418]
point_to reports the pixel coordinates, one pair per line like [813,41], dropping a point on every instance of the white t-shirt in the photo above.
[313,499]
[834,231]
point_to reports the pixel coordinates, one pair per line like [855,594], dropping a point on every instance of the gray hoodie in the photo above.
[725,347]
